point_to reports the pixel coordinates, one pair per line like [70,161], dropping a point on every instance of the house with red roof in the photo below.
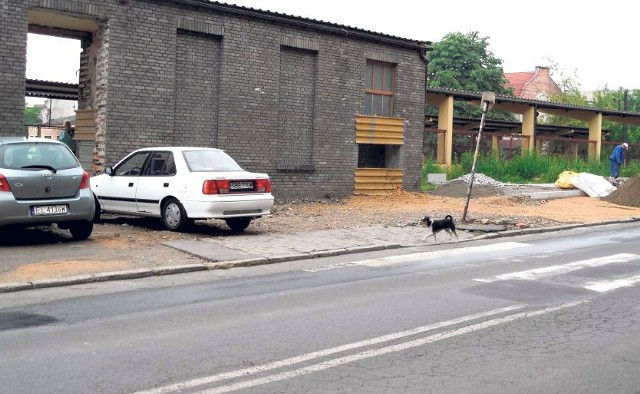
[533,85]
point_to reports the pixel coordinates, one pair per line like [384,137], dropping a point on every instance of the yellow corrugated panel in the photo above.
[84,123]
[377,181]
[378,140]
[85,126]
[379,130]
[84,114]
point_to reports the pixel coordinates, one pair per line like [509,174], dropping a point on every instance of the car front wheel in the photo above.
[174,216]
[81,230]
[238,224]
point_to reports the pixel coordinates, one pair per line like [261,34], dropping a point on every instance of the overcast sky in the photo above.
[596,41]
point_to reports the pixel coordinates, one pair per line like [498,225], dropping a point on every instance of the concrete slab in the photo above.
[551,194]
[485,228]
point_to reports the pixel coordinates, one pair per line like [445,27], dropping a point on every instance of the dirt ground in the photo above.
[121,243]
[488,204]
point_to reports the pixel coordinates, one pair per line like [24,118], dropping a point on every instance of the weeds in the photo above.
[522,169]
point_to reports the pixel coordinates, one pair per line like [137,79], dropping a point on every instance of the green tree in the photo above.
[570,93]
[464,62]
[32,115]
[615,100]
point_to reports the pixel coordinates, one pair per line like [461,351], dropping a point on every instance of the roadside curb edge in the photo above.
[179,269]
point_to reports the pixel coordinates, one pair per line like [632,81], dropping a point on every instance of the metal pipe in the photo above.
[488,98]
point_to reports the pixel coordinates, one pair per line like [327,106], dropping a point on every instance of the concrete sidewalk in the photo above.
[270,248]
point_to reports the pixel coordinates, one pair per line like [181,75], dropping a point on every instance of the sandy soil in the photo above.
[405,208]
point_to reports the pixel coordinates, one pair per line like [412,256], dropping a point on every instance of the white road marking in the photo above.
[326,352]
[329,267]
[607,285]
[439,254]
[537,273]
[385,350]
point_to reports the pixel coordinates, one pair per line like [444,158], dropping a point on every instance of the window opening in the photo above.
[378,156]
[380,86]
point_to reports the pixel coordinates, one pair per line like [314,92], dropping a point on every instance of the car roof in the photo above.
[13,140]
[178,148]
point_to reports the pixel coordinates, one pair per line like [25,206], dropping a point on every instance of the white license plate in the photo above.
[40,210]
[241,185]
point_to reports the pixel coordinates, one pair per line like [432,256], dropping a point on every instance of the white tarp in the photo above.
[593,185]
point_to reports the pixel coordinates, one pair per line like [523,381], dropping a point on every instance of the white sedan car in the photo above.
[182,184]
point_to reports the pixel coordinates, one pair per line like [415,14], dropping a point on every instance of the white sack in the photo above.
[593,185]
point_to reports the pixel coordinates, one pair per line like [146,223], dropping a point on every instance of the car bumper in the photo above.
[219,208]
[13,212]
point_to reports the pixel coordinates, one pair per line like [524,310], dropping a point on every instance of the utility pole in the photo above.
[487,101]
[626,108]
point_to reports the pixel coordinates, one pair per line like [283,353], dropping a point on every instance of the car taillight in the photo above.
[223,186]
[263,185]
[218,186]
[85,180]
[209,187]
[4,184]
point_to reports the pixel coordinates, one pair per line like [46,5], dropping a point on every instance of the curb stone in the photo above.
[280,259]
[103,277]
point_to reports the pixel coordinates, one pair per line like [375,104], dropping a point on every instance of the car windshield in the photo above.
[36,155]
[210,160]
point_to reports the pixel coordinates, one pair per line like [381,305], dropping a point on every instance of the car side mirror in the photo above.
[108,170]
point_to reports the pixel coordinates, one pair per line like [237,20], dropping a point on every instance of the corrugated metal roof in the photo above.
[51,90]
[475,96]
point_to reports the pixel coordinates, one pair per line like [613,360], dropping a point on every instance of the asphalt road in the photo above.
[545,313]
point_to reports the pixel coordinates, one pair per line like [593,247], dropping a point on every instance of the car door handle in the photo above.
[166,184]
[130,184]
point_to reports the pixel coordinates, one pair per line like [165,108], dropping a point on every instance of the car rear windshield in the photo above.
[34,155]
[210,160]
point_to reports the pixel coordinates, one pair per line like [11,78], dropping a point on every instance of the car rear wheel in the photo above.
[174,216]
[238,224]
[81,230]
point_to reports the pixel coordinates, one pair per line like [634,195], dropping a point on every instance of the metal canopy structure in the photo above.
[52,90]
[519,106]
[507,127]
[443,99]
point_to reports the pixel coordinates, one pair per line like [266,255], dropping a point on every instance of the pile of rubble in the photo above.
[479,179]
[483,186]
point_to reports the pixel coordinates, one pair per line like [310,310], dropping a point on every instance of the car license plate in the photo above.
[247,185]
[40,210]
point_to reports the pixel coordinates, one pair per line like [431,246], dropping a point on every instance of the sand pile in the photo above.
[483,186]
[628,194]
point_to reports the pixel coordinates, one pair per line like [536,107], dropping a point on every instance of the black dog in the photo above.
[445,224]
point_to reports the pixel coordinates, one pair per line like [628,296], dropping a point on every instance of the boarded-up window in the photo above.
[196,90]
[296,109]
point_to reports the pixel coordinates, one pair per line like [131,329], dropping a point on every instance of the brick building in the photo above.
[325,109]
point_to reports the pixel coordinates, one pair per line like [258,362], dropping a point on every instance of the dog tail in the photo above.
[449,217]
